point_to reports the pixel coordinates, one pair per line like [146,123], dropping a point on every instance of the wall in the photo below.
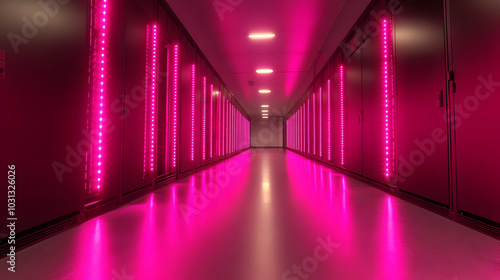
[413,108]
[95,118]
[267,132]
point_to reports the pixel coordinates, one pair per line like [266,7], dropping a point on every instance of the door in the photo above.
[420,79]
[475,62]
[354,143]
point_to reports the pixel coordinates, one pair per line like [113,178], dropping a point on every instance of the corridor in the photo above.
[264,214]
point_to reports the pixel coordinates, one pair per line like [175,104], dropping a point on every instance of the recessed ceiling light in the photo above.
[264,71]
[264,106]
[265,117]
[259,36]
[265,111]
[264,91]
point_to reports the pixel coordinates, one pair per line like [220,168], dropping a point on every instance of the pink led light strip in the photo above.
[297,135]
[193,88]
[302,129]
[101,55]
[314,122]
[231,128]
[204,117]
[219,139]
[342,147]
[234,128]
[146,108]
[387,58]
[211,119]
[226,126]
[329,148]
[153,99]
[308,126]
[320,123]
[175,90]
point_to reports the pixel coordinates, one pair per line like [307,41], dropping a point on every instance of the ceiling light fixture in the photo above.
[264,91]
[264,106]
[265,111]
[259,36]
[264,71]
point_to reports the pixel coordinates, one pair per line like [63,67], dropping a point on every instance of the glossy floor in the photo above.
[264,214]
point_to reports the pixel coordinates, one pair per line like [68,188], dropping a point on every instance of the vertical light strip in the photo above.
[219,123]
[308,123]
[297,131]
[320,122]
[288,133]
[193,89]
[211,120]
[232,128]
[387,72]
[101,56]
[329,113]
[314,122]
[301,135]
[153,99]
[226,127]
[342,146]
[223,125]
[176,91]
[300,128]
[146,108]
[301,123]
[292,131]
[204,136]
[229,127]
[304,140]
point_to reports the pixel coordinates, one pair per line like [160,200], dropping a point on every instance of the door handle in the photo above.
[440,100]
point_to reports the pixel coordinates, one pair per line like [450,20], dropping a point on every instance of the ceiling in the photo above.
[307,31]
